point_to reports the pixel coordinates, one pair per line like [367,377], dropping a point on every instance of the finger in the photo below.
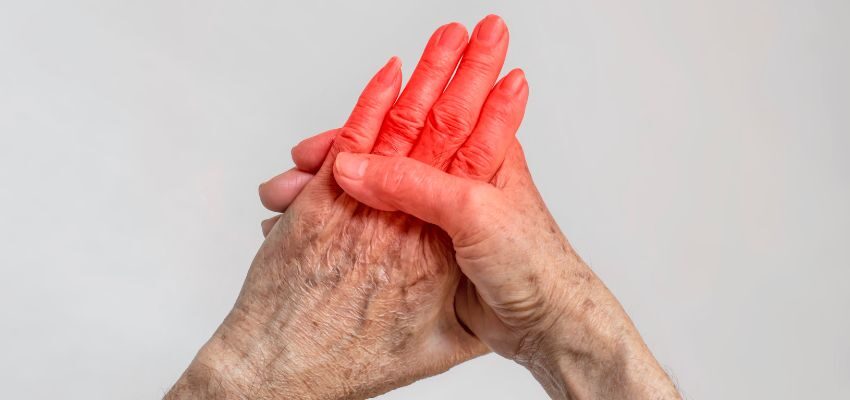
[483,152]
[277,193]
[403,184]
[455,113]
[407,117]
[309,154]
[360,131]
[268,224]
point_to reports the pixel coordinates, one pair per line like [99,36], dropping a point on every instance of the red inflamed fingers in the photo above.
[406,119]
[403,184]
[361,129]
[482,154]
[456,112]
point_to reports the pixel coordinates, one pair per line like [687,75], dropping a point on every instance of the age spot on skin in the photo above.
[587,305]
[363,312]
[400,340]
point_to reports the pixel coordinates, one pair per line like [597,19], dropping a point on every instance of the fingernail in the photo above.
[350,165]
[491,29]
[389,72]
[513,82]
[453,36]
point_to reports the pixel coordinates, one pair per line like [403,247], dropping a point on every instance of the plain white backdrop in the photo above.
[696,154]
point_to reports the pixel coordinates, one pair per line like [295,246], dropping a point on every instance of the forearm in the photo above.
[617,372]
[215,373]
[199,382]
[233,365]
[593,351]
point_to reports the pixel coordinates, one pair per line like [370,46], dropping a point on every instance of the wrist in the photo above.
[214,374]
[201,381]
[593,350]
[226,370]
[623,370]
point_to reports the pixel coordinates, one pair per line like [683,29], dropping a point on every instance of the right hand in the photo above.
[526,294]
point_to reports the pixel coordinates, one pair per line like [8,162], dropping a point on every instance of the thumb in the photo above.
[453,203]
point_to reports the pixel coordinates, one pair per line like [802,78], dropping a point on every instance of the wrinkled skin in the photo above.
[526,294]
[345,301]
[392,266]
[388,304]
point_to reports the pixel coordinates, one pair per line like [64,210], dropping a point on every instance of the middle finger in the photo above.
[405,120]
[456,112]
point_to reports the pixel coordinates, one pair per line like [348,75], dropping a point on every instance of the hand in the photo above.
[344,301]
[443,120]
[526,294]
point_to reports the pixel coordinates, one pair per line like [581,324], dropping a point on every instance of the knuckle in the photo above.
[478,226]
[368,103]
[397,180]
[351,136]
[474,197]
[501,111]
[452,118]
[480,63]
[430,67]
[474,159]
[404,122]
[471,200]
[389,183]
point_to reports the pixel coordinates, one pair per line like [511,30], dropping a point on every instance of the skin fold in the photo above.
[388,267]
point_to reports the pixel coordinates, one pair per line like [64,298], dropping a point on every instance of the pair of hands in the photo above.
[388,267]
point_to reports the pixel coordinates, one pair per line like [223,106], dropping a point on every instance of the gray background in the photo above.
[696,153]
